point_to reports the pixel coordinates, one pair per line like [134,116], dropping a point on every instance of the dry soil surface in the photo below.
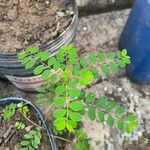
[24,23]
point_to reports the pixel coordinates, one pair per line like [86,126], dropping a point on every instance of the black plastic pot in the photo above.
[7,101]
[10,65]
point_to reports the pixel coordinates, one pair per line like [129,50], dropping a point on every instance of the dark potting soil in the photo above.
[10,137]
[26,23]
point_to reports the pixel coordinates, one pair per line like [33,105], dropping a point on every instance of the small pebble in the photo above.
[40,122]
[61,14]
[119,89]
[84,28]
[105,89]
[12,14]
[28,128]
[47,2]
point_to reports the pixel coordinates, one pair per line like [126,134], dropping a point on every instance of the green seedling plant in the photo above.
[66,75]
[23,108]
[9,111]
[19,125]
[81,141]
[31,140]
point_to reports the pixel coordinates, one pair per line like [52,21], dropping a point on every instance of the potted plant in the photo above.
[47,24]
[66,90]
[23,126]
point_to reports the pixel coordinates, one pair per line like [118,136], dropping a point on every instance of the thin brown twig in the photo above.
[31,121]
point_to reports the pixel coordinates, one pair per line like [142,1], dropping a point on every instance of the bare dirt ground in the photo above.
[24,23]
[102,32]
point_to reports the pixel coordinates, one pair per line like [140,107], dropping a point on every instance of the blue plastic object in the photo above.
[136,39]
